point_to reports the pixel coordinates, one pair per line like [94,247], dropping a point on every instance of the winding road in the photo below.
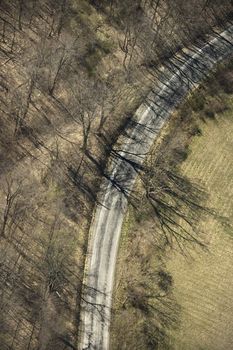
[178,76]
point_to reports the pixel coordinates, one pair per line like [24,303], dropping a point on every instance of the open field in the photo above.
[180,297]
[203,284]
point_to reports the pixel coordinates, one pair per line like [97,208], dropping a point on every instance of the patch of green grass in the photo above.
[95,52]
[91,61]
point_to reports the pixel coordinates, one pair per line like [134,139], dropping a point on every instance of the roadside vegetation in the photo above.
[72,74]
[173,271]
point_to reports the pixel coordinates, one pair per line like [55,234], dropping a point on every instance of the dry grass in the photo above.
[203,285]
[198,304]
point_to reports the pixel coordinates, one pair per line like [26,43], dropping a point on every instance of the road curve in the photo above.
[180,74]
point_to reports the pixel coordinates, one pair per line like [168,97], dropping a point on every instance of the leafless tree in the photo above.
[11,192]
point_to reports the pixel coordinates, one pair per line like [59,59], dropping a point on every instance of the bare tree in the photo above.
[11,192]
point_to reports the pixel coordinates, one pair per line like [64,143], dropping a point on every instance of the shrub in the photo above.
[180,154]
[197,101]
[195,131]
[95,51]
[226,82]
[165,281]
[215,106]
[105,46]
[137,299]
[209,113]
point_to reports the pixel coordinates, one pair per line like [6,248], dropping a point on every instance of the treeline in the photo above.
[155,28]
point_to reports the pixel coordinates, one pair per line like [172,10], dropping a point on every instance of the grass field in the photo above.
[203,284]
[166,298]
